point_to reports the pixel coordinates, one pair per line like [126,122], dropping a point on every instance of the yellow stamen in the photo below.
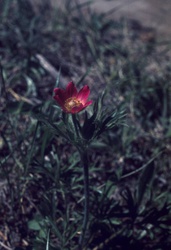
[71,103]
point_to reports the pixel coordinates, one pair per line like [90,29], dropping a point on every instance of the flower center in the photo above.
[71,103]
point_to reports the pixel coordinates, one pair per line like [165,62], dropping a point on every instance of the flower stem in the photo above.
[84,160]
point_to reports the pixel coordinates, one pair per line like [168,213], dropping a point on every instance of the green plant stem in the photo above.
[84,160]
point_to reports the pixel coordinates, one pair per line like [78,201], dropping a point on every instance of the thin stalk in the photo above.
[74,120]
[84,160]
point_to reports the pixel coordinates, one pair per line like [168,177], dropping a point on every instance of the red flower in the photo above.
[70,100]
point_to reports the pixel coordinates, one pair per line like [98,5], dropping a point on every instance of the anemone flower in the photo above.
[70,100]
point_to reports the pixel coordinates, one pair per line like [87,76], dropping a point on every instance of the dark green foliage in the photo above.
[41,180]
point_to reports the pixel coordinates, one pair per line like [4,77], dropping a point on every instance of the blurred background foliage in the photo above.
[41,195]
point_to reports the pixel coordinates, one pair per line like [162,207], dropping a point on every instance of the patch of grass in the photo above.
[40,174]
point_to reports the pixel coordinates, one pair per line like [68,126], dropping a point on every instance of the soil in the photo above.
[150,13]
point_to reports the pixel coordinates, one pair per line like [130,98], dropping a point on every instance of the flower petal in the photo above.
[60,92]
[70,90]
[59,100]
[75,110]
[88,103]
[83,94]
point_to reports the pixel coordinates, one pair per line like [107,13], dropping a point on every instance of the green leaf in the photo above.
[144,181]
[129,198]
[83,77]
[54,128]
[47,243]
[34,225]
